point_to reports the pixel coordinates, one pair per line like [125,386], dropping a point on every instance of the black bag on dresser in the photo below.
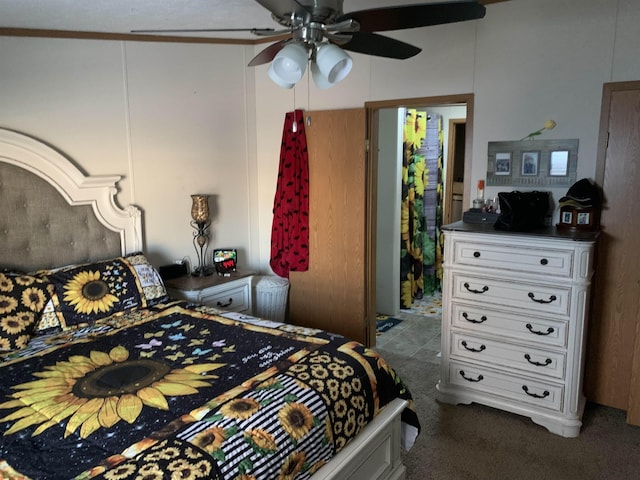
[522,211]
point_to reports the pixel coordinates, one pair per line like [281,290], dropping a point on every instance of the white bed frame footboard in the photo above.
[374,454]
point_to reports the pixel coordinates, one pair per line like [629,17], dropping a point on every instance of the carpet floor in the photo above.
[474,442]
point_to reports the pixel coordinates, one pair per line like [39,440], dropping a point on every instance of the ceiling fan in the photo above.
[320,32]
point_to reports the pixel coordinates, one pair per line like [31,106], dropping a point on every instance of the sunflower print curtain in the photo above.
[420,255]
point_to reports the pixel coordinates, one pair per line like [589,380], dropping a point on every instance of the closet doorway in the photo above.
[385,133]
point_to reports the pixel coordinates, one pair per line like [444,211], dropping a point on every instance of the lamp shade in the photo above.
[333,63]
[289,64]
[319,79]
[200,208]
[277,80]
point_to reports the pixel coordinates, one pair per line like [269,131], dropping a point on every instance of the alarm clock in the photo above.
[225,260]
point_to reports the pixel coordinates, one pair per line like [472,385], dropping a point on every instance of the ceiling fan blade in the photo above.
[269,53]
[378,45]
[418,15]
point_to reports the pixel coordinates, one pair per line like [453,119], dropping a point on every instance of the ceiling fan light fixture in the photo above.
[277,80]
[321,81]
[333,63]
[289,64]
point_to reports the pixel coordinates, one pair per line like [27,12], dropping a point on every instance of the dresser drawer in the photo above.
[521,389]
[233,299]
[508,355]
[557,262]
[540,298]
[520,326]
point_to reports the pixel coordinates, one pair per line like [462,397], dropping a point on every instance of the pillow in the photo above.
[22,300]
[89,292]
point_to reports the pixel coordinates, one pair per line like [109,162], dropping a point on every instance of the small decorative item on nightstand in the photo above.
[225,260]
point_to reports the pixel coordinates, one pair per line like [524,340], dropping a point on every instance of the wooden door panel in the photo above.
[334,293]
[613,374]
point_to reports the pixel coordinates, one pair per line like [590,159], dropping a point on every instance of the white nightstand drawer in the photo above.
[556,262]
[547,298]
[231,293]
[520,326]
[506,355]
[234,299]
[521,389]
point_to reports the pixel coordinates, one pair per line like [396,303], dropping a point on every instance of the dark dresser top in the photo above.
[580,236]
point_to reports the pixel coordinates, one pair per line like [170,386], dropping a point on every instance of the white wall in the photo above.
[171,118]
[177,119]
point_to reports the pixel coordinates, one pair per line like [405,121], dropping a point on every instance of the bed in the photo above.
[102,375]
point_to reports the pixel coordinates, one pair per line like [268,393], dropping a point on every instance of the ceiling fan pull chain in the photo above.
[294,126]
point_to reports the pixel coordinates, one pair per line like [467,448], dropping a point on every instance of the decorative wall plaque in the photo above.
[532,163]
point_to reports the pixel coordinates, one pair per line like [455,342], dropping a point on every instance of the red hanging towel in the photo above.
[290,227]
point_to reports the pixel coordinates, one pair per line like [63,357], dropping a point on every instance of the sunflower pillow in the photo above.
[22,300]
[85,293]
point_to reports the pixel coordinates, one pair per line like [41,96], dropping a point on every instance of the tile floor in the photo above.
[418,335]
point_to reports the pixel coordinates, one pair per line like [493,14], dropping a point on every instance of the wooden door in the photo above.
[454,187]
[613,366]
[337,293]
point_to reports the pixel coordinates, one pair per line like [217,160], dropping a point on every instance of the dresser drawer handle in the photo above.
[545,394]
[549,331]
[469,379]
[225,305]
[471,349]
[476,254]
[473,320]
[484,289]
[537,364]
[532,295]
[544,261]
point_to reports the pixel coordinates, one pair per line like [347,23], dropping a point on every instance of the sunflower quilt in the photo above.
[176,390]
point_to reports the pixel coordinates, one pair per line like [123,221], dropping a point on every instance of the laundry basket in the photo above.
[271,298]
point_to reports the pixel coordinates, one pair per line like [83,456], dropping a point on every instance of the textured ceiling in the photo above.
[123,16]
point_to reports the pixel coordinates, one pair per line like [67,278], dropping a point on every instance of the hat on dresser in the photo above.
[583,193]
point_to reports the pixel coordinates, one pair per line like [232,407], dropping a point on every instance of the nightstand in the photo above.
[231,293]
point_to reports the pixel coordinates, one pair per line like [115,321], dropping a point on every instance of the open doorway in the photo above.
[385,128]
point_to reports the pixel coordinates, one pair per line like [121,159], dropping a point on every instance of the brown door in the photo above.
[337,292]
[454,179]
[613,366]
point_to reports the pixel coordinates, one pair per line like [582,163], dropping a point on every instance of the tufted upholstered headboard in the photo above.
[51,214]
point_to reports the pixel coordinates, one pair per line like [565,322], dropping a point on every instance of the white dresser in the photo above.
[514,316]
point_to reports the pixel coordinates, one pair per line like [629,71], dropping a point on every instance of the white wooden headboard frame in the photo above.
[77,189]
